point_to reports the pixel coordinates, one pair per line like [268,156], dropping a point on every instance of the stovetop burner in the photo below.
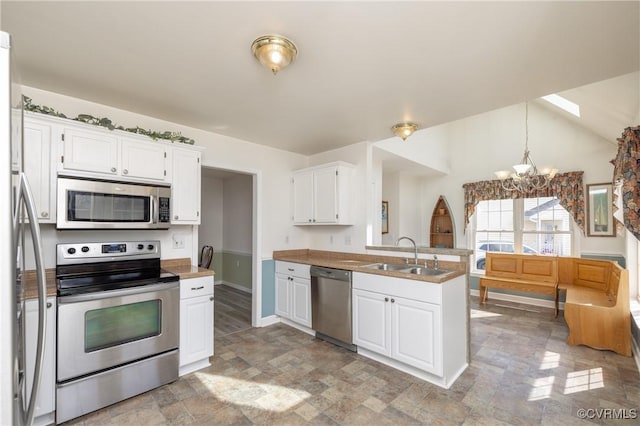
[95,267]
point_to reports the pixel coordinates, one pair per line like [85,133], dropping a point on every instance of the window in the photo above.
[530,225]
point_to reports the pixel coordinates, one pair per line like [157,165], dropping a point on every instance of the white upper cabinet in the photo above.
[87,151]
[185,190]
[39,166]
[321,195]
[113,155]
[145,160]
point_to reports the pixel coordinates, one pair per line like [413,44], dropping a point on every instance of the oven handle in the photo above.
[118,293]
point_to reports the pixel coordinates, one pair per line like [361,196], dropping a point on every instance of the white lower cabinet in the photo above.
[46,401]
[416,326]
[293,292]
[196,323]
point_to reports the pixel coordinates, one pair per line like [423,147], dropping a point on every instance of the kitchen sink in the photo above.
[387,266]
[419,270]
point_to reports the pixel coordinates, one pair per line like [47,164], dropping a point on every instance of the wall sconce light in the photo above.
[404,130]
[274,52]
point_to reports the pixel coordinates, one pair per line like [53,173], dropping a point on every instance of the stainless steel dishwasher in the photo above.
[331,306]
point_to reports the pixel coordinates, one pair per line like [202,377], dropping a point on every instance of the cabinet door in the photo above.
[415,335]
[141,159]
[46,402]
[301,301]
[325,190]
[39,167]
[283,296]
[185,190]
[88,151]
[371,321]
[303,197]
[196,329]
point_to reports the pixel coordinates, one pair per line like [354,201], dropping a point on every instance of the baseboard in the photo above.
[267,321]
[534,301]
[236,286]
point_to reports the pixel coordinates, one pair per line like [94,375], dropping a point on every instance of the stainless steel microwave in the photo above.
[100,204]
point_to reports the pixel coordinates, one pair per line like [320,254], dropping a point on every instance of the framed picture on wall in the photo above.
[600,221]
[385,217]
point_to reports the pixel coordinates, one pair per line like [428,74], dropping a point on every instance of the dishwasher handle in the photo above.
[334,274]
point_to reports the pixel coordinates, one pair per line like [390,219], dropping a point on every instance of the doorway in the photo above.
[227,225]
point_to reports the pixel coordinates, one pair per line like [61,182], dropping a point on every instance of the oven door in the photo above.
[97,331]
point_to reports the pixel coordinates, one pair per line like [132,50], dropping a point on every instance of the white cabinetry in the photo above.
[143,159]
[293,292]
[40,165]
[185,190]
[401,322]
[321,195]
[196,323]
[112,155]
[46,401]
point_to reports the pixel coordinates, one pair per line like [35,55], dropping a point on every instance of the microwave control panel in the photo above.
[164,214]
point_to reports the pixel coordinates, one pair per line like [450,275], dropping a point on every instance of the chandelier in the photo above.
[526,177]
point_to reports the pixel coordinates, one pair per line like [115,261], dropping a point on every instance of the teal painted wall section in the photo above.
[268,288]
[474,281]
[236,269]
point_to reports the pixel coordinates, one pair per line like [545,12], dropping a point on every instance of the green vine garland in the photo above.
[107,123]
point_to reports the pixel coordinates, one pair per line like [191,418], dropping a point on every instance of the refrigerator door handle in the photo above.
[25,194]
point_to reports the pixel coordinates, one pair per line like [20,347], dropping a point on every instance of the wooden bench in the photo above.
[597,303]
[521,272]
[597,294]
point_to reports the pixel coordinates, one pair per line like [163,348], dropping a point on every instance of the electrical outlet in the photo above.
[286,239]
[237,263]
[347,240]
[330,239]
[178,241]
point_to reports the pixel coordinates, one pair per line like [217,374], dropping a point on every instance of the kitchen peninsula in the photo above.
[413,317]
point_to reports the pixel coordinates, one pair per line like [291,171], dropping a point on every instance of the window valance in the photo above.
[626,173]
[566,187]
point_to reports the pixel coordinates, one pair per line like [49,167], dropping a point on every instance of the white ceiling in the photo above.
[362,66]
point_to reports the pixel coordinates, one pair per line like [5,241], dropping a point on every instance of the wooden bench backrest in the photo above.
[602,275]
[522,267]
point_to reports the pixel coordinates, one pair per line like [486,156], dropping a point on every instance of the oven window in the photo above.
[113,326]
[99,207]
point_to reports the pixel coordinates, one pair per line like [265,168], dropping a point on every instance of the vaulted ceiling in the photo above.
[362,66]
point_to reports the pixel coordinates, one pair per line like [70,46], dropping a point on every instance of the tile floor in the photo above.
[521,373]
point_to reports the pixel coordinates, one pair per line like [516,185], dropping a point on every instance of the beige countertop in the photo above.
[32,283]
[185,269]
[356,261]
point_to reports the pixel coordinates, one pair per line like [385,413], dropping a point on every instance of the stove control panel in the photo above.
[101,251]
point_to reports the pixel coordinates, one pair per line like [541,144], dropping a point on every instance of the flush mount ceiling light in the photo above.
[526,178]
[274,52]
[404,130]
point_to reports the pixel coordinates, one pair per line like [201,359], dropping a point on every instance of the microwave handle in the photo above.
[155,210]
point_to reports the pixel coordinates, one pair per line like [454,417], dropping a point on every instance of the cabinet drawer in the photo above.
[295,269]
[392,286]
[194,287]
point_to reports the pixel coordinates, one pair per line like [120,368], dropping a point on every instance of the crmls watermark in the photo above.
[608,413]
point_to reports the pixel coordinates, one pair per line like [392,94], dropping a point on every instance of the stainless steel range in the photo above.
[118,324]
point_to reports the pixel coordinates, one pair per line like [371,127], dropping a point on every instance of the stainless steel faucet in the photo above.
[415,248]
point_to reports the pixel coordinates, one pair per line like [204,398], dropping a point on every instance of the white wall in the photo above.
[237,236]
[494,141]
[403,193]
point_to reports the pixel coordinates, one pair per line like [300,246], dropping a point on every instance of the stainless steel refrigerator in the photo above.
[17,222]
